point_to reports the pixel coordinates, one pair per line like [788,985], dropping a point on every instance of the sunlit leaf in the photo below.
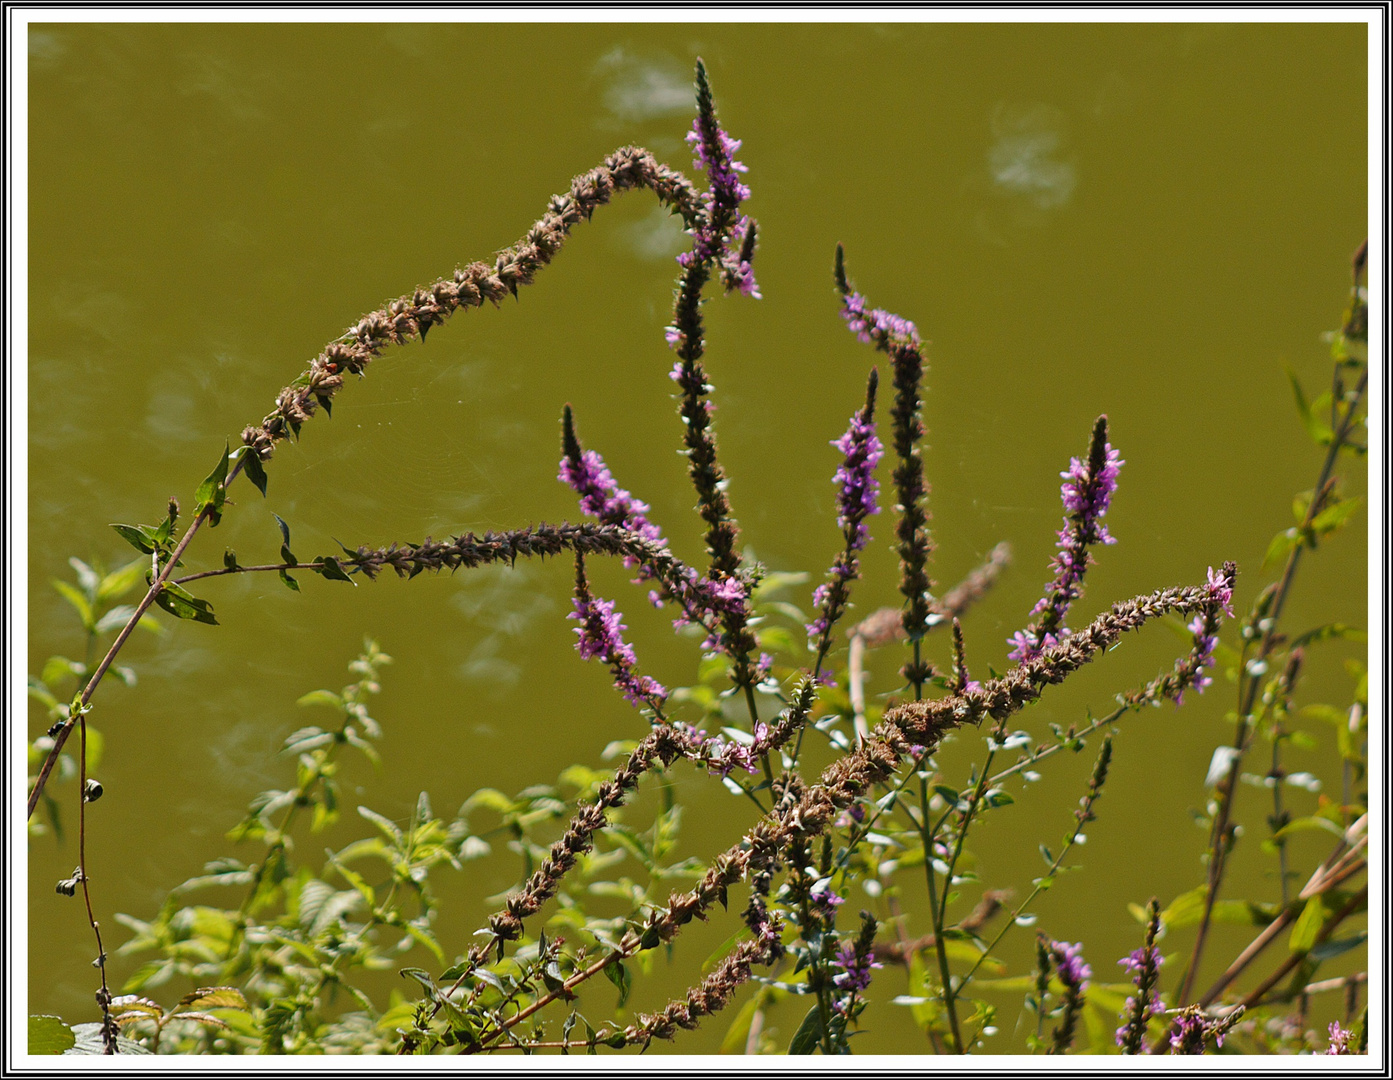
[211,494]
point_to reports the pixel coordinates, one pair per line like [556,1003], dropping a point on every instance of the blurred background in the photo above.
[1142,220]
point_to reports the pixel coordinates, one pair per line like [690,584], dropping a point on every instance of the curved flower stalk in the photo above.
[1087,492]
[899,339]
[856,501]
[600,638]
[404,319]
[411,316]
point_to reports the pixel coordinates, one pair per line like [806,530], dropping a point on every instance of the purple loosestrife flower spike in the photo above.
[856,501]
[599,495]
[1145,966]
[1069,966]
[721,234]
[600,638]
[1086,492]
[898,338]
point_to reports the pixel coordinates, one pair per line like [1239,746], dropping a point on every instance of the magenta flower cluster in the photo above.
[702,600]
[1192,1030]
[601,638]
[722,757]
[1341,1041]
[857,499]
[1069,964]
[1204,626]
[602,497]
[715,238]
[1144,965]
[1087,493]
[877,323]
[854,972]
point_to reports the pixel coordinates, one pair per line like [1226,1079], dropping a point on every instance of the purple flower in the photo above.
[601,497]
[1070,965]
[1220,590]
[877,325]
[1086,493]
[1341,1041]
[1193,1029]
[600,637]
[857,499]
[824,901]
[721,234]
[854,972]
[1145,966]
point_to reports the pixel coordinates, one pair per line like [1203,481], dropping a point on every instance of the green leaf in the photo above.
[119,582]
[1329,632]
[1186,909]
[1333,947]
[1334,517]
[328,567]
[79,602]
[178,602]
[211,493]
[255,471]
[1308,925]
[290,582]
[115,618]
[808,1035]
[49,1035]
[135,535]
[86,576]
[89,1041]
[1281,547]
[618,974]
[387,825]
[322,697]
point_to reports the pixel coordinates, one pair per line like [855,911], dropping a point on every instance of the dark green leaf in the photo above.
[49,1035]
[808,1035]
[229,559]
[285,539]
[178,602]
[328,567]
[136,536]
[256,472]
[290,582]
[1326,950]
[211,493]
[618,974]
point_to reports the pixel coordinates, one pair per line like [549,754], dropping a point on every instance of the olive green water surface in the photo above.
[1141,220]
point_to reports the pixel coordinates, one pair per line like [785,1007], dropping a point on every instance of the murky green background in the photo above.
[1142,220]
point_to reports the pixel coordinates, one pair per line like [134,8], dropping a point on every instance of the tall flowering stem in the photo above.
[856,501]
[711,229]
[1087,492]
[1145,966]
[600,638]
[1074,974]
[898,338]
